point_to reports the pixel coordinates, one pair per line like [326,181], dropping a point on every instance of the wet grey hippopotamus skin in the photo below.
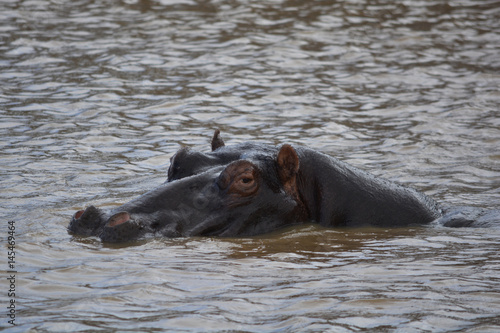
[250,189]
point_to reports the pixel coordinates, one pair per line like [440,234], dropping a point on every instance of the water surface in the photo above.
[96,96]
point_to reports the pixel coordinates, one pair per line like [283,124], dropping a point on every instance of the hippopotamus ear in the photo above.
[217,141]
[288,167]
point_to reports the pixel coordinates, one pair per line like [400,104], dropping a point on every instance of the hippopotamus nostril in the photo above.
[78,214]
[118,218]
[87,222]
[90,214]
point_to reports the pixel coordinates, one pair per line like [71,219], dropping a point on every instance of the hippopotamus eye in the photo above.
[239,178]
[244,179]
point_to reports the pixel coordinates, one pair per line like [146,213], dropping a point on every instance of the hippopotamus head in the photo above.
[242,190]
[249,189]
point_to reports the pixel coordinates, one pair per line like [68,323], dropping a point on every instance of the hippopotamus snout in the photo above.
[121,227]
[94,222]
[87,222]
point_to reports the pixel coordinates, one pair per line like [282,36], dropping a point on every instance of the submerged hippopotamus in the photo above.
[250,189]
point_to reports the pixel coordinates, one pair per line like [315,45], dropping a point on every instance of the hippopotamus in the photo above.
[250,189]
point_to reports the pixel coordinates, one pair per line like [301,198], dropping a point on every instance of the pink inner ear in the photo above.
[118,219]
[288,163]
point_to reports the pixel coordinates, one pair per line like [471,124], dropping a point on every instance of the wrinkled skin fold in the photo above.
[250,189]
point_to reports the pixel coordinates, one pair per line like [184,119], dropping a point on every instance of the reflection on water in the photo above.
[95,97]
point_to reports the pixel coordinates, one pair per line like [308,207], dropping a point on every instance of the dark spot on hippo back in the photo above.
[462,216]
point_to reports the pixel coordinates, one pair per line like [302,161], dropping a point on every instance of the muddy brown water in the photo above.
[96,96]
